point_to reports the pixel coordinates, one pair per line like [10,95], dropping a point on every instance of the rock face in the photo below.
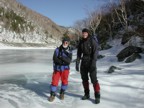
[129,51]
[19,24]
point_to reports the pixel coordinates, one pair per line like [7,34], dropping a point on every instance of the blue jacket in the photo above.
[62,58]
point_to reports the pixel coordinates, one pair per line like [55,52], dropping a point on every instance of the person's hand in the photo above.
[60,57]
[77,65]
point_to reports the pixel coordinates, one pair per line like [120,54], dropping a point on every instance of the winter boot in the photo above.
[52,96]
[86,90]
[97,98]
[62,94]
[97,92]
[86,95]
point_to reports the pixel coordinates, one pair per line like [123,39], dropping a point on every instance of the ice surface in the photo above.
[25,77]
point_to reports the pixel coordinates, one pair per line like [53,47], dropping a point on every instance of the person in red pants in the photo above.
[61,60]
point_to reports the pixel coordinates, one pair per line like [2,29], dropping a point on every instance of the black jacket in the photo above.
[62,56]
[87,50]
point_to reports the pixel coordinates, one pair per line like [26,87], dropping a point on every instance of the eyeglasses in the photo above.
[65,42]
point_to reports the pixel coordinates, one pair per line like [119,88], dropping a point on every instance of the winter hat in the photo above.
[85,30]
[65,39]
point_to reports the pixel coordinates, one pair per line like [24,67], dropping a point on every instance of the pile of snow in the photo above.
[136,41]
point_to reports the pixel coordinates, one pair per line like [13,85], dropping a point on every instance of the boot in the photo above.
[86,95]
[52,96]
[97,98]
[62,94]
[97,92]
[86,90]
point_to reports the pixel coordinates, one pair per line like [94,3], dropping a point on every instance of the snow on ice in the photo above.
[25,77]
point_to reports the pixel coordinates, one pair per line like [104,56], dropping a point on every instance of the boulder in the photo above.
[133,57]
[112,69]
[128,51]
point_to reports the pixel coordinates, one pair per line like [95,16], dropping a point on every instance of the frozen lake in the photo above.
[25,56]
[25,61]
[24,71]
[25,78]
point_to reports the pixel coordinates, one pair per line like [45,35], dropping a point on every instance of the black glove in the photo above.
[77,65]
[59,57]
[58,62]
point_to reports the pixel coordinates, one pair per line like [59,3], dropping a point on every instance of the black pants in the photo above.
[86,72]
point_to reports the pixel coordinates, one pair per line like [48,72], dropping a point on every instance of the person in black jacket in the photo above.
[87,53]
[61,60]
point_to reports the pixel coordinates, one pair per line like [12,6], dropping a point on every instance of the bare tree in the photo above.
[94,19]
[122,14]
[112,20]
[78,25]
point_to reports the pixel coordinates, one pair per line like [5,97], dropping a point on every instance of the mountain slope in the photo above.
[18,24]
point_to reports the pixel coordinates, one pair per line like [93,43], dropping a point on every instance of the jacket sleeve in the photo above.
[56,59]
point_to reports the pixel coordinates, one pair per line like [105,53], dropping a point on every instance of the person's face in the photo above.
[65,44]
[85,35]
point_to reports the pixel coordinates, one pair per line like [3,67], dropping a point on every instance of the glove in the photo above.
[77,65]
[59,61]
[59,56]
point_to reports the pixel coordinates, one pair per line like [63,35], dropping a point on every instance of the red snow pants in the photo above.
[57,75]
